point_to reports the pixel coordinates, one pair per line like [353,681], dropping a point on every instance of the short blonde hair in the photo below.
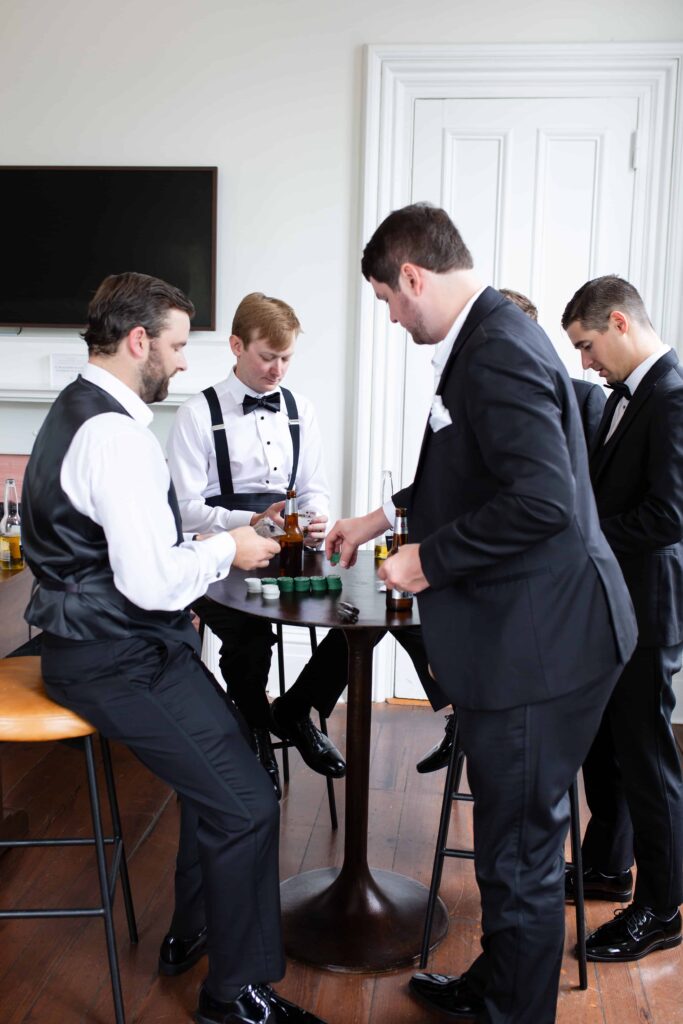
[260,315]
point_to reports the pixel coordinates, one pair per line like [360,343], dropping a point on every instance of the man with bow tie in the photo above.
[233,451]
[632,774]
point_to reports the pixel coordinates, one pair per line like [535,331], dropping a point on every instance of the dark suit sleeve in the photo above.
[592,411]
[657,520]
[515,415]
[402,498]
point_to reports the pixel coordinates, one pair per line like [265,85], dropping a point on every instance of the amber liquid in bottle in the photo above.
[399,600]
[292,540]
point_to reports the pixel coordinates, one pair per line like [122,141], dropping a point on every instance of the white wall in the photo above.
[270,92]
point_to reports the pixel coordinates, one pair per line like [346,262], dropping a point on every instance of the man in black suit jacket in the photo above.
[591,401]
[632,774]
[524,612]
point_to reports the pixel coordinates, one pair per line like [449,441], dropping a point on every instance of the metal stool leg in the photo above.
[454,769]
[331,799]
[119,845]
[577,861]
[281,679]
[104,883]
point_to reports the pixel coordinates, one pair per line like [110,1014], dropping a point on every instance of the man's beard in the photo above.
[418,332]
[153,382]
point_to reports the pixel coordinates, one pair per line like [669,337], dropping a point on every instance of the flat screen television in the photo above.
[64,229]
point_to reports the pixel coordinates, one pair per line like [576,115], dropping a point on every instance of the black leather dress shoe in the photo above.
[266,755]
[597,886]
[452,997]
[438,756]
[177,955]
[634,932]
[255,1004]
[317,750]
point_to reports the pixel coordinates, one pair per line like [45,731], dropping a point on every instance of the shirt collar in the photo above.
[445,347]
[115,387]
[634,379]
[238,390]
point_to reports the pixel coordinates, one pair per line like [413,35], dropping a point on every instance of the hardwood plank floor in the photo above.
[56,971]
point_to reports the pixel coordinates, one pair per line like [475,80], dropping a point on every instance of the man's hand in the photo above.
[314,531]
[273,512]
[253,552]
[403,570]
[347,535]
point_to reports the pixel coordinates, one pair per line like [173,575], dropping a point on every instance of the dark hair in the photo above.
[260,315]
[525,304]
[596,299]
[125,301]
[422,234]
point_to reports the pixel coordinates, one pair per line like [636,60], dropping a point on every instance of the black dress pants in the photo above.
[520,764]
[159,699]
[632,777]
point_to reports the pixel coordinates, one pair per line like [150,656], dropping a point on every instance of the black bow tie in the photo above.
[271,402]
[621,389]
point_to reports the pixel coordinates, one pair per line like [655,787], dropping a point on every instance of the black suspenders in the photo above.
[221,442]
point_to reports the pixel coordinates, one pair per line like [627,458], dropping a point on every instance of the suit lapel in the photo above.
[602,452]
[485,304]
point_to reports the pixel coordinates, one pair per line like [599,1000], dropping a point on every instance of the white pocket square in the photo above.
[439,416]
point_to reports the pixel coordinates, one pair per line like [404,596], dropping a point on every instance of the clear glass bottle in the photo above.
[11,554]
[292,540]
[383,544]
[399,600]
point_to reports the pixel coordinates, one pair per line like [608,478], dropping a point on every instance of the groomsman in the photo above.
[632,774]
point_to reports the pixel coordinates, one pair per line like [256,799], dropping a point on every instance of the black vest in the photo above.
[75,596]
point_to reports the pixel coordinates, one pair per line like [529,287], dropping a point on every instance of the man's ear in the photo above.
[620,321]
[137,342]
[237,346]
[412,277]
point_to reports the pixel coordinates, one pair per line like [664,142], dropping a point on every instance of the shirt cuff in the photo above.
[223,549]
[389,510]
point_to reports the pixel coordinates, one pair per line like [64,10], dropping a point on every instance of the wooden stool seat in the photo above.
[26,712]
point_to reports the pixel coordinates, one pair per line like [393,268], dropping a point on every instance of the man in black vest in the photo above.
[632,774]
[102,536]
[525,615]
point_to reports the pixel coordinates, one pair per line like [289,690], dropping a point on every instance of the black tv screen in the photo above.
[64,229]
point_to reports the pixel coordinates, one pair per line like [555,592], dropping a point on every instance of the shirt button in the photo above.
[263,417]
[267,442]
[267,481]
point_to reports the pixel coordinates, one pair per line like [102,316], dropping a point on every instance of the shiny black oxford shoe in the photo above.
[438,756]
[451,996]
[632,934]
[255,1004]
[177,955]
[317,750]
[264,751]
[598,886]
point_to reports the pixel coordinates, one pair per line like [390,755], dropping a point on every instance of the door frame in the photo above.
[395,77]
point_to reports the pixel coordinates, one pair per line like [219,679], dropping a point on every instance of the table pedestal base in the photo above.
[368,923]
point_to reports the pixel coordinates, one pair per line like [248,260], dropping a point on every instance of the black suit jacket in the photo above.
[526,600]
[591,401]
[638,482]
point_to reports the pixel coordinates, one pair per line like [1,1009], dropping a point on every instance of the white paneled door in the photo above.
[542,190]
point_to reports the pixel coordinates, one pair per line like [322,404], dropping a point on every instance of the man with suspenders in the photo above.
[233,451]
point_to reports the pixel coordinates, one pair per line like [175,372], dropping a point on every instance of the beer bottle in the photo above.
[292,540]
[399,600]
[11,554]
[382,543]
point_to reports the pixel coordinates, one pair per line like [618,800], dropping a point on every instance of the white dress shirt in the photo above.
[632,382]
[260,447]
[114,473]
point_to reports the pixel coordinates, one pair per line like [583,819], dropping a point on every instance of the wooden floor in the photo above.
[55,971]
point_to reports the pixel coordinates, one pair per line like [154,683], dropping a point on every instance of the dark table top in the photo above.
[359,588]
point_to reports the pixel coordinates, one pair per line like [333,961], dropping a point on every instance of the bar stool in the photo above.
[452,792]
[284,745]
[28,715]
